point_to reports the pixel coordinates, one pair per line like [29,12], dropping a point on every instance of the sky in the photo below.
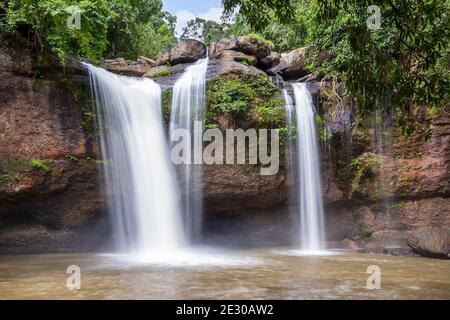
[186,10]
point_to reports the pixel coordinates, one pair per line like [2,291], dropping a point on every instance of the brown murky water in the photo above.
[206,274]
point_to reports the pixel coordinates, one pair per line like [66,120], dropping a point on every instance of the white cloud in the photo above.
[213,14]
[184,16]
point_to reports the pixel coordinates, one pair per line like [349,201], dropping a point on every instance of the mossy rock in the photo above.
[159,72]
[244,101]
[166,104]
[362,170]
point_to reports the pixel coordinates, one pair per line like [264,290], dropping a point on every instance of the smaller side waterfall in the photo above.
[306,168]
[140,182]
[188,106]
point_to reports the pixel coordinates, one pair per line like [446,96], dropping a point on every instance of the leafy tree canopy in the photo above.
[406,60]
[109,28]
[203,30]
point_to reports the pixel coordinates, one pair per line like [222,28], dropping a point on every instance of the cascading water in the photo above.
[143,197]
[306,168]
[188,104]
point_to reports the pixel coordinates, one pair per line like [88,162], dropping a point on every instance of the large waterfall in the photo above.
[188,104]
[306,168]
[143,197]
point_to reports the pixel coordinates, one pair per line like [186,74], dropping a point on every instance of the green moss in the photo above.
[248,60]
[270,113]
[245,98]
[41,165]
[257,37]
[162,73]
[13,166]
[78,91]
[210,126]
[400,205]
[324,133]
[230,97]
[365,231]
[4,177]
[166,104]
[356,214]
[71,158]
[361,169]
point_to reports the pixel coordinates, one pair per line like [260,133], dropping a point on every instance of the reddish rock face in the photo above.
[246,44]
[51,198]
[128,67]
[432,242]
[376,203]
[396,189]
[235,188]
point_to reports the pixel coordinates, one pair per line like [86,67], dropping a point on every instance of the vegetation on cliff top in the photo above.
[247,98]
[405,60]
[109,28]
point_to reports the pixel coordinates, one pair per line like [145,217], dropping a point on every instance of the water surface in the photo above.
[212,274]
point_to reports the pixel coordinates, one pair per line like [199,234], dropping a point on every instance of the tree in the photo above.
[109,28]
[203,30]
[138,27]
[406,60]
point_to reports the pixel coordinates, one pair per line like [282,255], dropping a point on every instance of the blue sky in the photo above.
[186,10]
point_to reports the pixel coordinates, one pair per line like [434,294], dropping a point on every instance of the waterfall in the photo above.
[306,168]
[140,181]
[188,105]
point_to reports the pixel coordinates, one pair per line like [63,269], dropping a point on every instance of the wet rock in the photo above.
[51,198]
[233,188]
[237,56]
[349,244]
[269,61]
[157,72]
[292,65]
[185,51]
[128,67]
[227,67]
[431,242]
[250,45]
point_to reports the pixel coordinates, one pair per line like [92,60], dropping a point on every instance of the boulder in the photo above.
[292,65]
[157,72]
[251,45]
[270,61]
[189,50]
[227,67]
[128,67]
[149,61]
[237,56]
[431,242]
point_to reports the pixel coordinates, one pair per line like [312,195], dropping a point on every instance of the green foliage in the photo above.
[400,61]
[45,23]
[362,169]
[270,113]
[259,13]
[109,28]
[72,158]
[403,63]
[324,133]
[230,97]
[256,37]
[4,177]
[38,164]
[245,97]
[203,30]
[162,73]
[166,103]
[138,27]
[365,231]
